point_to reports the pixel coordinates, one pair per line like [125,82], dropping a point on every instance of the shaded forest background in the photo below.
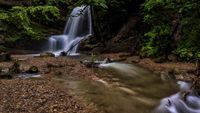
[148,28]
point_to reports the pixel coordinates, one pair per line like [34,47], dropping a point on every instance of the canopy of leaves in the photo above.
[17,22]
[162,17]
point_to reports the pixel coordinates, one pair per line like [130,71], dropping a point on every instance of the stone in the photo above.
[63,53]
[15,68]
[95,64]
[164,76]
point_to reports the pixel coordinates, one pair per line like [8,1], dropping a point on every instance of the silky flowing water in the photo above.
[77,28]
[126,88]
[120,88]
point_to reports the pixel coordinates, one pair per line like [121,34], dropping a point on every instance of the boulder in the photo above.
[5,57]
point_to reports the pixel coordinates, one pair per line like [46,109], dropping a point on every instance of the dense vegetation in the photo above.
[174,28]
[164,27]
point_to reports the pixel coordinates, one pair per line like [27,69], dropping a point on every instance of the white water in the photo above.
[176,104]
[125,69]
[171,104]
[78,27]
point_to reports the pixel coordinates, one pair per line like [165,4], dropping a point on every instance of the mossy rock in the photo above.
[33,69]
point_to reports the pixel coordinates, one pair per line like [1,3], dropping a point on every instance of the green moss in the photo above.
[22,22]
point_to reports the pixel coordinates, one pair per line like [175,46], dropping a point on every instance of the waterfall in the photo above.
[77,28]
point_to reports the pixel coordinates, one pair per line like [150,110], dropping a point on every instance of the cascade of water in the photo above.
[78,27]
[176,104]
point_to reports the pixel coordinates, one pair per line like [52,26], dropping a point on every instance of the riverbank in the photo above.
[43,95]
[179,70]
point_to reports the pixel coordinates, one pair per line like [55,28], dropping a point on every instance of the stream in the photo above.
[125,88]
[120,88]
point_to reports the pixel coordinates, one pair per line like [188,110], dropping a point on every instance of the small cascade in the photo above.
[78,27]
[176,103]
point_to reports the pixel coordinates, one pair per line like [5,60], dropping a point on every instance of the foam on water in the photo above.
[176,103]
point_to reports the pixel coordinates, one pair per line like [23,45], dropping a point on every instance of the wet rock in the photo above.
[47,54]
[164,75]
[15,68]
[172,75]
[4,74]
[175,71]
[63,53]
[90,64]
[32,70]
[95,64]
[88,45]
[5,57]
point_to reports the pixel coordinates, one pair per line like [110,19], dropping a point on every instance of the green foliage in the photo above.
[95,3]
[43,14]
[185,54]
[59,2]
[159,15]
[19,21]
[148,50]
